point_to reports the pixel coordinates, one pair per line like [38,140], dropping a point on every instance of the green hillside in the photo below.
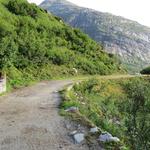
[35,45]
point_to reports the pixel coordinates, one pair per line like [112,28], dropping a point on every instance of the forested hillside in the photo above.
[36,45]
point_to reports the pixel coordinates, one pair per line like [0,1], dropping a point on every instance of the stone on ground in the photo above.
[72,109]
[94,130]
[107,137]
[79,137]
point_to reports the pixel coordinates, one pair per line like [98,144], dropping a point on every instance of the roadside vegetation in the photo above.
[146,71]
[35,45]
[118,106]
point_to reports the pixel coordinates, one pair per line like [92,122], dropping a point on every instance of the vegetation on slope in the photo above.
[146,71]
[36,45]
[120,107]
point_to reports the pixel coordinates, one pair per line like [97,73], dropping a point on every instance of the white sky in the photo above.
[138,10]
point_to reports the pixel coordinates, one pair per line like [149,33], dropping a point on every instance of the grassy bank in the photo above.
[118,106]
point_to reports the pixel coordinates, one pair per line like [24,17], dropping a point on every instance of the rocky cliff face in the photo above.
[125,38]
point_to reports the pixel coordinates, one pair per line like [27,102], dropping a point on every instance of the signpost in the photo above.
[2,83]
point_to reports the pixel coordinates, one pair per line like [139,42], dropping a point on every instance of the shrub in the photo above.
[22,8]
[146,71]
[30,38]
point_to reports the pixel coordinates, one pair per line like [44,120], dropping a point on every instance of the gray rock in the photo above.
[118,123]
[73,132]
[75,70]
[72,109]
[55,91]
[68,126]
[107,137]
[78,126]
[94,130]
[69,87]
[82,102]
[127,39]
[79,137]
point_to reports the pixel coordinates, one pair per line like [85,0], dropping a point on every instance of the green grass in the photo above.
[109,104]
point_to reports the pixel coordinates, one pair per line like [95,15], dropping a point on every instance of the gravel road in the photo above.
[29,119]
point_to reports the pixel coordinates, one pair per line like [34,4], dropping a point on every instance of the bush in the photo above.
[138,119]
[22,8]
[145,71]
[30,38]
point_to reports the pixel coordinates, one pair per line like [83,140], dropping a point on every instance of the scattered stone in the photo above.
[83,131]
[68,126]
[60,146]
[75,70]
[107,137]
[82,103]
[73,132]
[76,94]
[55,91]
[42,107]
[69,87]
[79,137]
[78,126]
[72,109]
[77,83]
[117,123]
[115,139]
[94,130]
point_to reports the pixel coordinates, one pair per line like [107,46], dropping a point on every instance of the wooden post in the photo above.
[2,83]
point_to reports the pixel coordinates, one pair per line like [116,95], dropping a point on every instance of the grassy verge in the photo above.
[29,76]
[118,106]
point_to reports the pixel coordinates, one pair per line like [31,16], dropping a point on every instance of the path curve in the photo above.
[29,119]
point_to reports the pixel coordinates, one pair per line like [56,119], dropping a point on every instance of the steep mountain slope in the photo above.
[126,38]
[35,45]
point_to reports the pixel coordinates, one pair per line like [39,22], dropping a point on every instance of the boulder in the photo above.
[79,137]
[107,137]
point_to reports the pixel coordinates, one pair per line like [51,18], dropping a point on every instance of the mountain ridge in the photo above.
[92,9]
[124,37]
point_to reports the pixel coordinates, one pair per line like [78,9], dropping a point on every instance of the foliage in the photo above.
[120,107]
[33,40]
[22,8]
[138,116]
[146,71]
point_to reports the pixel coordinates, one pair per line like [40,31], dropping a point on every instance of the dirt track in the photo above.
[29,119]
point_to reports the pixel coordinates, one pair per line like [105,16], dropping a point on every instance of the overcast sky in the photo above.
[138,10]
